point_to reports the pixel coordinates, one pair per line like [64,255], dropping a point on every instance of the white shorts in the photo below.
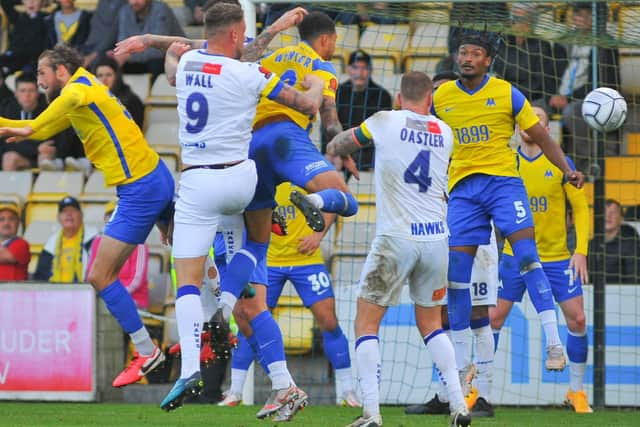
[394,261]
[484,276]
[209,199]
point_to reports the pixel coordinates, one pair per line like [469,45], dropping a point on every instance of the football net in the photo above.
[539,40]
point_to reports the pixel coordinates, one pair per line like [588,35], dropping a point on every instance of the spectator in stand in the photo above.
[103,30]
[68,25]
[108,72]
[526,62]
[6,94]
[576,82]
[141,17]
[621,249]
[196,9]
[133,274]
[358,98]
[14,250]
[27,38]
[66,254]
[28,104]
[64,152]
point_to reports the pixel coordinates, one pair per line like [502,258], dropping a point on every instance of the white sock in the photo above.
[227,302]
[576,375]
[369,370]
[549,323]
[238,377]
[279,375]
[316,200]
[462,341]
[443,393]
[442,354]
[189,317]
[142,341]
[484,360]
[344,379]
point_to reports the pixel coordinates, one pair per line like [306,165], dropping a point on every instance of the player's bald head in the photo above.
[542,115]
[415,86]
[220,16]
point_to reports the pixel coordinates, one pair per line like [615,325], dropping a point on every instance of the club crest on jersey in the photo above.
[491,102]
[548,173]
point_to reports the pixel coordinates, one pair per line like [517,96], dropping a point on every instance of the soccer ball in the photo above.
[604,109]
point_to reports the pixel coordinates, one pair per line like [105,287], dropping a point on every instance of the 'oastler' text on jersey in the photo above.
[217,99]
[412,155]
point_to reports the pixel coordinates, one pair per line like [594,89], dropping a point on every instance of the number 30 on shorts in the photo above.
[319,281]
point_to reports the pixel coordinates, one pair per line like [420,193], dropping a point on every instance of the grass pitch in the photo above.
[109,414]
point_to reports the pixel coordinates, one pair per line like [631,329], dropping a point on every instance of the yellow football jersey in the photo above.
[483,121]
[283,250]
[112,140]
[548,194]
[292,64]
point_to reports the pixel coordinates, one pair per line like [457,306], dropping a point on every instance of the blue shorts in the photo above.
[564,283]
[283,152]
[141,204]
[312,282]
[478,199]
[259,275]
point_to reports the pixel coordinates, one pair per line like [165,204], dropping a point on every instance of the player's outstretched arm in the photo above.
[140,43]
[172,58]
[254,50]
[306,102]
[554,153]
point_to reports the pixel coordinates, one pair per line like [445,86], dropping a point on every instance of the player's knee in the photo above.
[326,321]
[577,323]
[526,255]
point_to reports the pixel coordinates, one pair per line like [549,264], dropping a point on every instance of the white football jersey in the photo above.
[411,162]
[217,98]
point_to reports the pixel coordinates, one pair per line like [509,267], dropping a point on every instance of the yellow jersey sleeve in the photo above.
[44,132]
[70,98]
[523,113]
[283,250]
[580,207]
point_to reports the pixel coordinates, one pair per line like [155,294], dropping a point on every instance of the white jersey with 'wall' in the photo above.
[217,98]
[412,157]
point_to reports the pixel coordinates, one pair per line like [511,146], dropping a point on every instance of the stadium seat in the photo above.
[159,284]
[58,184]
[345,267]
[162,134]
[38,232]
[633,144]
[48,190]
[95,189]
[629,66]
[159,254]
[622,169]
[385,43]
[426,64]
[139,83]
[161,93]
[289,37]
[93,213]
[296,323]
[430,38]
[161,114]
[15,187]
[347,41]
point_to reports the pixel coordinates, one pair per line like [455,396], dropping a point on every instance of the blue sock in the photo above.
[336,347]
[339,202]
[121,306]
[242,354]
[256,351]
[238,272]
[459,296]
[533,275]
[577,347]
[268,337]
